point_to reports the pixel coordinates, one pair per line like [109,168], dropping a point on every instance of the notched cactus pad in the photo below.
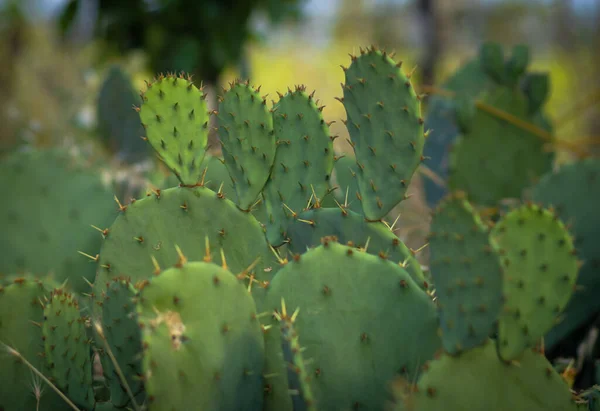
[386,128]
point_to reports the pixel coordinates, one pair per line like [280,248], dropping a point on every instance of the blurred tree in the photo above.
[432,33]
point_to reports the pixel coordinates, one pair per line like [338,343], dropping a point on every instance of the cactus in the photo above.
[467,275]
[51,194]
[573,192]
[174,115]
[386,128]
[303,160]
[203,344]
[540,267]
[341,290]
[344,178]
[248,141]
[66,348]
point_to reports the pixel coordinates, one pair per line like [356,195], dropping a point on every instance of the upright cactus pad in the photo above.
[574,192]
[540,267]
[21,317]
[364,320]
[386,128]
[203,342]
[352,229]
[50,206]
[467,275]
[175,117]
[478,380]
[303,160]
[494,159]
[248,141]
[67,349]
[344,178]
[151,227]
[120,327]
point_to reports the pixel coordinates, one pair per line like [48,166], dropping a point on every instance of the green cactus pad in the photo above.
[48,194]
[536,87]
[303,160]
[119,322]
[344,178]
[21,316]
[298,377]
[175,117]
[516,66]
[478,380]
[204,347]
[491,56]
[540,268]
[386,128]
[467,275]
[351,228]
[495,159]
[574,192]
[363,319]
[118,123]
[153,226]
[67,348]
[248,141]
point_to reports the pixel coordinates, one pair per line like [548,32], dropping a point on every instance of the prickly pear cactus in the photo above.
[21,317]
[303,161]
[386,128]
[344,178]
[356,306]
[248,141]
[573,192]
[479,380]
[203,343]
[540,267]
[67,350]
[175,117]
[467,275]
[50,215]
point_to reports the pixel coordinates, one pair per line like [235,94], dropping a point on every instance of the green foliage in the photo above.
[386,128]
[203,344]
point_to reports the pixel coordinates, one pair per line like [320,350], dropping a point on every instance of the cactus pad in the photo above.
[364,320]
[386,128]
[67,349]
[248,141]
[540,267]
[203,342]
[478,380]
[175,117]
[303,160]
[344,178]
[50,194]
[151,227]
[574,192]
[351,228]
[467,275]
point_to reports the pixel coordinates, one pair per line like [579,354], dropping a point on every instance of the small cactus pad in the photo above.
[119,125]
[303,160]
[204,347]
[48,195]
[175,117]
[299,379]
[151,227]
[478,380]
[574,192]
[21,316]
[352,229]
[248,141]
[122,333]
[540,267]
[386,128]
[67,349]
[364,320]
[494,159]
[467,275]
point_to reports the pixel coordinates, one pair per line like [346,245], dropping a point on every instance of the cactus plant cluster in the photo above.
[250,285]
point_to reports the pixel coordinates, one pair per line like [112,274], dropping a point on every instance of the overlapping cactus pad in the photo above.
[362,320]
[203,343]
